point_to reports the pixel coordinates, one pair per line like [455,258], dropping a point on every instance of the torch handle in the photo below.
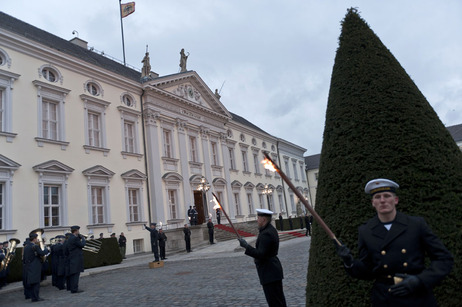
[304,201]
[226,215]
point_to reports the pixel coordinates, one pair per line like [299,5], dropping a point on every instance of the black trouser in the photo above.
[155,250]
[211,236]
[74,282]
[274,294]
[60,282]
[32,291]
[162,252]
[188,244]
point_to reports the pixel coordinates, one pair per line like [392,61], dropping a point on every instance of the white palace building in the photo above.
[87,141]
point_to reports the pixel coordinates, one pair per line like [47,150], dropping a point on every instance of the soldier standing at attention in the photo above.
[392,249]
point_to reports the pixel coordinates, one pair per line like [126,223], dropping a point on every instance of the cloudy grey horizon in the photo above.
[271,60]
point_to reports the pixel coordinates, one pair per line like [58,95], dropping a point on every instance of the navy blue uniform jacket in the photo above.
[265,253]
[402,249]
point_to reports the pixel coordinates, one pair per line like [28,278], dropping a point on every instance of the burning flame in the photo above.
[217,204]
[268,164]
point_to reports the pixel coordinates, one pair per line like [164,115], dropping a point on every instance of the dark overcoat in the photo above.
[74,247]
[162,239]
[154,237]
[265,253]
[33,263]
[402,249]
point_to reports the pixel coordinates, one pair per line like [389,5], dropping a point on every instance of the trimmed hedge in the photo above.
[378,124]
[109,254]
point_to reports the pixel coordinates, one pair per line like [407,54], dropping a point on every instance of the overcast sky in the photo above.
[271,59]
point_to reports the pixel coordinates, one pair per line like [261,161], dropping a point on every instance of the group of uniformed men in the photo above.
[66,263]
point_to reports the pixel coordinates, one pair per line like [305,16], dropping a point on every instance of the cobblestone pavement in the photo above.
[217,275]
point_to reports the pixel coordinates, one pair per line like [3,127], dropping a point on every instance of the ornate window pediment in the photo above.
[53,166]
[134,174]
[99,171]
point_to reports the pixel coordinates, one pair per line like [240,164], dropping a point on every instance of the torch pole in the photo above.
[303,200]
[226,215]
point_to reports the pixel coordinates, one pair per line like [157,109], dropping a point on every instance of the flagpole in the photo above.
[122,28]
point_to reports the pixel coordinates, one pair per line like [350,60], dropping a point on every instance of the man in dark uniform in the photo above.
[281,224]
[187,237]
[392,249]
[210,229]
[2,272]
[162,240]
[190,215]
[33,268]
[154,240]
[74,246]
[218,211]
[58,259]
[308,221]
[122,244]
[195,216]
[265,253]
[66,261]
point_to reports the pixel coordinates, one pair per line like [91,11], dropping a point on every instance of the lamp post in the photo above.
[204,186]
[268,191]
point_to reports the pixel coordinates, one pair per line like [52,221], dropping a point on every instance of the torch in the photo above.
[218,205]
[270,165]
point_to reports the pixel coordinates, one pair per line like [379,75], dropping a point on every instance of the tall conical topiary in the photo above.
[378,124]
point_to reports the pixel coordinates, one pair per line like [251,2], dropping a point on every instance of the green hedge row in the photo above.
[109,254]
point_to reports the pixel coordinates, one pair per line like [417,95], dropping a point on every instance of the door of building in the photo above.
[199,203]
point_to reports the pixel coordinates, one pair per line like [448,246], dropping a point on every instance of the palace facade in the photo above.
[85,140]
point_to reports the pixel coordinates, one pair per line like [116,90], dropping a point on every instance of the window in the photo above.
[172,203]
[134,182]
[94,129]
[261,201]
[269,197]
[128,100]
[302,172]
[4,58]
[6,98]
[98,203]
[286,166]
[237,203]
[134,205]
[49,74]
[7,169]
[245,163]
[93,88]
[214,148]
[130,136]
[168,143]
[256,163]
[49,120]
[2,205]
[232,160]
[51,114]
[53,186]
[95,123]
[294,164]
[242,137]
[292,202]
[192,149]
[250,202]
[98,194]
[138,246]
[51,205]
[281,204]
[2,109]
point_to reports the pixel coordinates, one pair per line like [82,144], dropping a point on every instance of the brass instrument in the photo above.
[91,245]
[39,232]
[9,254]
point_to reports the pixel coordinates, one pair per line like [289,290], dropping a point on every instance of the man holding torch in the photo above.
[392,249]
[265,253]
